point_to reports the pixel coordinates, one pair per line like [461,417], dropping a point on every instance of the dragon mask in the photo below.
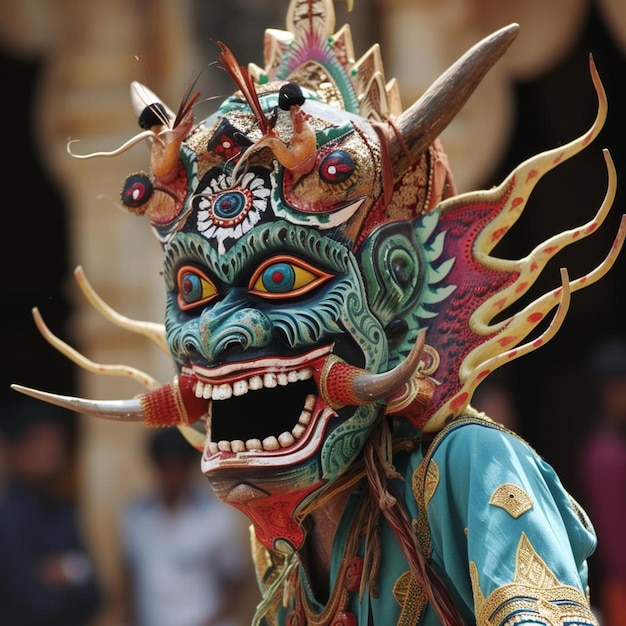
[322,273]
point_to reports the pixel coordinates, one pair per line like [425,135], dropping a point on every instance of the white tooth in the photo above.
[240,388]
[254,444]
[238,445]
[224,446]
[198,389]
[292,376]
[223,392]
[207,391]
[305,374]
[213,449]
[271,443]
[305,417]
[282,379]
[286,439]
[309,403]
[269,380]
[255,383]
[298,430]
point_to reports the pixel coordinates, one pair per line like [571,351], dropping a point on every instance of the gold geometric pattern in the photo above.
[409,594]
[535,594]
[431,482]
[512,498]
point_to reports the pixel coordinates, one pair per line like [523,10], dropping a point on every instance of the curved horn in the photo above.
[414,130]
[372,387]
[120,410]
[174,404]
[342,384]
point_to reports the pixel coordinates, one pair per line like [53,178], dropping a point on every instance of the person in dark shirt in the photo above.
[46,573]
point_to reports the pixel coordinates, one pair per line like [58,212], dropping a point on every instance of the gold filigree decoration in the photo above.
[431,482]
[312,75]
[512,498]
[409,198]
[408,593]
[534,593]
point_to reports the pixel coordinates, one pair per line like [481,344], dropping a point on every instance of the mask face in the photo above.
[321,273]
[265,291]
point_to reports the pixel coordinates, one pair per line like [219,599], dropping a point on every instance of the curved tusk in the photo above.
[151,330]
[415,129]
[120,410]
[372,387]
[173,404]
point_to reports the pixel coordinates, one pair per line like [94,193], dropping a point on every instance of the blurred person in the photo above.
[184,558]
[46,573]
[604,475]
[494,398]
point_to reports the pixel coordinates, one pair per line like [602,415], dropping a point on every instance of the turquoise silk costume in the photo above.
[332,305]
[492,516]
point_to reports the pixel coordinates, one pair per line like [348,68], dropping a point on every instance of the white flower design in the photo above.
[227,212]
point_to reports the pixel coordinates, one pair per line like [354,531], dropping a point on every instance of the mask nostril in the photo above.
[232,346]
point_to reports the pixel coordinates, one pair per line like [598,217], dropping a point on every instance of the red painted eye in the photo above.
[194,288]
[337,167]
[285,276]
[137,190]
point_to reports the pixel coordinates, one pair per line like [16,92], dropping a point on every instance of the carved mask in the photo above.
[321,272]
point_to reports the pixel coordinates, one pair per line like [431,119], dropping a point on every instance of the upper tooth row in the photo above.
[224,391]
[284,440]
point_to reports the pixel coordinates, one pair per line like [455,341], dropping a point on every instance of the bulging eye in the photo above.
[336,167]
[286,277]
[229,205]
[137,190]
[194,288]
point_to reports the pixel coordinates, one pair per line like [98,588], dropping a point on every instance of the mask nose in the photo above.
[228,329]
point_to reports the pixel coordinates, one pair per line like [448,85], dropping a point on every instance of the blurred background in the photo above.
[66,67]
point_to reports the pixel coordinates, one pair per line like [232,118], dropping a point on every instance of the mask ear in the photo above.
[392,267]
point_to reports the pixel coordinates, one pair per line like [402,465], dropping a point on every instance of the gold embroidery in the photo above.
[431,482]
[268,566]
[534,593]
[408,593]
[512,498]
[530,569]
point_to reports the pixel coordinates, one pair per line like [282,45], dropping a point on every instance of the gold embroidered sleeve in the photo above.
[534,597]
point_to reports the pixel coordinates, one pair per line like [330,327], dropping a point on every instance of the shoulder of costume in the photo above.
[466,425]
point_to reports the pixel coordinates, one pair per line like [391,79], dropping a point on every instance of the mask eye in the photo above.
[336,167]
[194,288]
[137,190]
[286,277]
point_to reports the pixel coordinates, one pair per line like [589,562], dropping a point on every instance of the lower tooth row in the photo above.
[284,440]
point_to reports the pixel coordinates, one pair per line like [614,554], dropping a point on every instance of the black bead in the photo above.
[154,114]
[290,95]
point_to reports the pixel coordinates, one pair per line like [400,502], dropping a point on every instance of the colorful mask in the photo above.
[321,272]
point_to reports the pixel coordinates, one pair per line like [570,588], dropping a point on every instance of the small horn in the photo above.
[415,129]
[372,387]
[342,384]
[142,97]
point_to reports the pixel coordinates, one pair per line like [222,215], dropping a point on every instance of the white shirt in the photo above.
[181,560]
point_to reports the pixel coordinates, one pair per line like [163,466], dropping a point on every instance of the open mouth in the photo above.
[267,407]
